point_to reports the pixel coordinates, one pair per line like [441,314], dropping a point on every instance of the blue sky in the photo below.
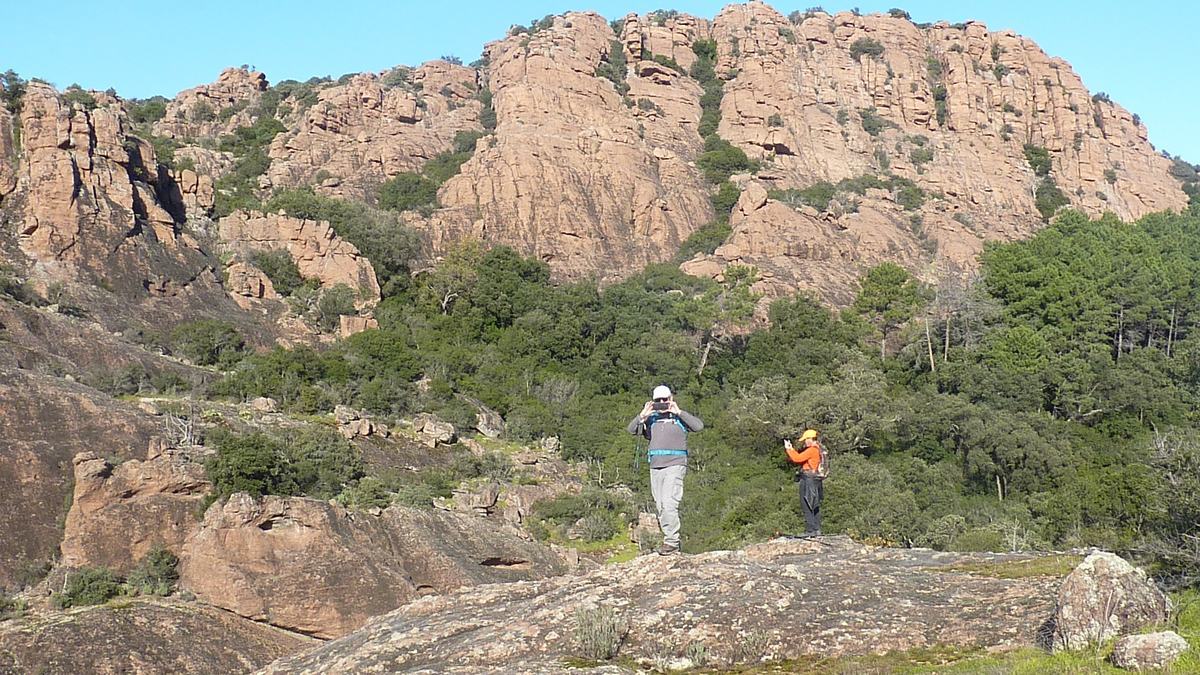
[1138,53]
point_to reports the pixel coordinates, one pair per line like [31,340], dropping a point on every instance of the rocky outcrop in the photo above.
[1155,651]
[742,606]
[35,458]
[369,129]
[572,174]
[8,154]
[319,253]
[319,569]
[1105,596]
[947,107]
[141,637]
[213,110]
[120,513]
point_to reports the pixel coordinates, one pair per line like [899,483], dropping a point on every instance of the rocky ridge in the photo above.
[737,607]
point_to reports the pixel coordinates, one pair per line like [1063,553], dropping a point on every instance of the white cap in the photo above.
[661,391]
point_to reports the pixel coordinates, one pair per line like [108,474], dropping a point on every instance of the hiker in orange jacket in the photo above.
[812,487]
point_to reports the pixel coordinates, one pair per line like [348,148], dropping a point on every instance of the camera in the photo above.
[660,405]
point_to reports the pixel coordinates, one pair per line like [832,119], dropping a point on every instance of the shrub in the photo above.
[408,192]
[668,62]
[613,67]
[12,91]
[1110,175]
[334,303]
[452,60]
[208,342]
[725,199]
[599,632]
[88,586]
[597,527]
[74,95]
[705,240]
[897,13]
[156,574]
[253,464]
[872,122]
[818,195]
[722,159]
[1049,198]
[868,46]
[1039,159]
[921,156]
[775,120]
[280,268]
[368,493]
[11,607]
[147,111]
[910,197]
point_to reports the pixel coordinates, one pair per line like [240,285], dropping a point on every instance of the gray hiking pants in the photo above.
[666,484]
[812,490]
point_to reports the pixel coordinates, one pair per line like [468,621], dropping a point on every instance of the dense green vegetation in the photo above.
[237,189]
[411,191]
[1049,405]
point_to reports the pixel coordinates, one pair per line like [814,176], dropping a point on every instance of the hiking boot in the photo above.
[667,549]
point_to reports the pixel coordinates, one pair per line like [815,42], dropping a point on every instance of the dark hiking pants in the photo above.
[812,489]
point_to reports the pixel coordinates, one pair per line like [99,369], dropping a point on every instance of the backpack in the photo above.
[822,467]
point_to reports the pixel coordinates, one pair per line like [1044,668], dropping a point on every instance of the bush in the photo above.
[368,493]
[722,159]
[280,268]
[1039,159]
[818,195]
[408,192]
[705,240]
[921,156]
[11,607]
[1110,175]
[668,62]
[334,303]
[726,198]
[872,123]
[253,464]
[156,574]
[208,342]
[76,96]
[613,67]
[12,91]
[599,633]
[598,527]
[1049,198]
[88,586]
[868,46]
[147,111]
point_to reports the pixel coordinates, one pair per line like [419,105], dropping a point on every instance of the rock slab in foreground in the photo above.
[1148,652]
[139,637]
[1103,597]
[852,599]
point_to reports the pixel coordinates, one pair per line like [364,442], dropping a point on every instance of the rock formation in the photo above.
[35,457]
[1155,651]
[741,605]
[573,174]
[213,110]
[142,638]
[322,570]
[369,129]
[1103,597]
[119,513]
[319,253]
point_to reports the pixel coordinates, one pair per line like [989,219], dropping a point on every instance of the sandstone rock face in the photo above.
[433,431]
[119,513]
[8,155]
[318,252]
[35,457]
[671,37]
[196,113]
[322,570]
[1148,652]
[143,638]
[1105,596]
[742,605]
[363,132]
[572,174]
[797,103]
[247,284]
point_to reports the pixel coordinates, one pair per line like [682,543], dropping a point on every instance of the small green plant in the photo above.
[1049,198]
[280,268]
[156,574]
[867,46]
[706,239]
[208,342]
[667,62]
[74,95]
[775,120]
[1110,175]
[88,586]
[408,192]
[613,67]
[750,648]
[599,633]
[920,157]
[333,304]
[872,122]
[1039,159]
[597,527]
[11,608]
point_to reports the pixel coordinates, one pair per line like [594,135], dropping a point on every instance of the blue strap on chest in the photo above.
[656,453]
[655,418]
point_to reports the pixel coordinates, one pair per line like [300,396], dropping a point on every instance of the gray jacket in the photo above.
[667,432]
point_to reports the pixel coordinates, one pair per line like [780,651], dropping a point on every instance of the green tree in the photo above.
[888,296]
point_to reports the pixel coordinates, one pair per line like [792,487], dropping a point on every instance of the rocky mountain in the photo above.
[870,138]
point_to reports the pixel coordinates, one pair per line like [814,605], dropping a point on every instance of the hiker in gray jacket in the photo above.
[667,427]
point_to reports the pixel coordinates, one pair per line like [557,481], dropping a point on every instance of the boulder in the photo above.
[1154,651]
[432,431]
[265,404]
[319,569]
[1104,596]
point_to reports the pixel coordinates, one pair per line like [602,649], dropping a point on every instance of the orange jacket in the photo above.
[809,458]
